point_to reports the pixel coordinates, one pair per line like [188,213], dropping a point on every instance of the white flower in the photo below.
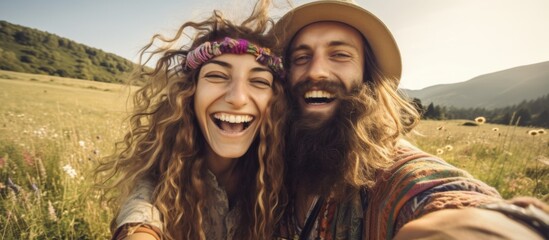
[69,170]
[82,143]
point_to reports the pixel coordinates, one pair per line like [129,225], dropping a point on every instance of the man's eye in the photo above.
[341,55]
[300,59]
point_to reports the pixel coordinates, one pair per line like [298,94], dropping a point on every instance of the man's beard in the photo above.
[318,146]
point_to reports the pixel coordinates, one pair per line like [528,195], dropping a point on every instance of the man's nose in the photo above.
[237,93]
[318,68]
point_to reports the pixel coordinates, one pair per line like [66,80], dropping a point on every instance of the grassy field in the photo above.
[54,130]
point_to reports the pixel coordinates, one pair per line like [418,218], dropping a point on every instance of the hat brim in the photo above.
[379,37]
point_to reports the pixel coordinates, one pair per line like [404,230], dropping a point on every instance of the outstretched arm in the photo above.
[526,219]
[138,219]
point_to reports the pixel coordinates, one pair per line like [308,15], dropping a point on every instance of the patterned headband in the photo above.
[209,50]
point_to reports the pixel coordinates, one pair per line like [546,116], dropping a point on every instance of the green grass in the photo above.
[48,123]
[506,157]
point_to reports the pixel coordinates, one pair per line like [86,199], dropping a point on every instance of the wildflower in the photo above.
[69,170]
[35,188]
[40,132]
[449,148]
[541,131]
[82,143]
[51,212]
[29,160]
[495,129]
[480,120]
[533,132]
[440,151]
[13,186]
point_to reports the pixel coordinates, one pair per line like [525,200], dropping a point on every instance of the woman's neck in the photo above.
[224,170]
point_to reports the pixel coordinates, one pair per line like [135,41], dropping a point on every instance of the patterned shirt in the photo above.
[416,184]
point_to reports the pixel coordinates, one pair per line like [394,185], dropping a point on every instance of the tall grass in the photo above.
[512,159]
[54,130]
[52,133]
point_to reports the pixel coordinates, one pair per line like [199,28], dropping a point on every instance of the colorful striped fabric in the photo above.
[417,184]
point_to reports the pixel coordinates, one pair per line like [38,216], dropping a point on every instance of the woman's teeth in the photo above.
[232,122]
[232,118]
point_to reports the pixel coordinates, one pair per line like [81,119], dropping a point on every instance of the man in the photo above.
[350,176]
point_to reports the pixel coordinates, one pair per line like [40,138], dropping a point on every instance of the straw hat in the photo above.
[374,30]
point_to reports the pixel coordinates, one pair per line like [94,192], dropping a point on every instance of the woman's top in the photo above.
[139,215]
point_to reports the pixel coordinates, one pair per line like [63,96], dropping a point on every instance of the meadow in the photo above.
[54,131]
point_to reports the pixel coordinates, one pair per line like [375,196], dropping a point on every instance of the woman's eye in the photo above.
[216,76]
[261,83]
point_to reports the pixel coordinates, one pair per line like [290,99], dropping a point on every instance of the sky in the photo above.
[441,41]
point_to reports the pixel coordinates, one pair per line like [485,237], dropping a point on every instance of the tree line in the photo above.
[29,50]
[527,113]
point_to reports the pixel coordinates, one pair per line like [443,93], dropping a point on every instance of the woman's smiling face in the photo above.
[232,95]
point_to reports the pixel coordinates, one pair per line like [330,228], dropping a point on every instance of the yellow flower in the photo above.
[449,148]
[533,132]
[440,151]
[541,131]
[480,120]
[495,129]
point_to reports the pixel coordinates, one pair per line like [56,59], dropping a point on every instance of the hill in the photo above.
[28,50]
[493,90]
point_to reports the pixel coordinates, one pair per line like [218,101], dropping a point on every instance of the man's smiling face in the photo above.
[326,59]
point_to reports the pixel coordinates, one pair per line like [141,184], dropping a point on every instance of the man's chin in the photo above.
[318,114]
[315,119]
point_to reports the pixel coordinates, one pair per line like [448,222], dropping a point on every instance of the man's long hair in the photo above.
[345,151]
[165,143]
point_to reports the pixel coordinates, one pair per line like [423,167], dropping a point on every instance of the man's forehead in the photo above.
[327,34]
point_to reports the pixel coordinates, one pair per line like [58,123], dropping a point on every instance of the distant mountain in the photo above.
[28,50]
[493,90]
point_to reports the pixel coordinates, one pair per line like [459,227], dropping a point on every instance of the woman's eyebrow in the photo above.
[220,63]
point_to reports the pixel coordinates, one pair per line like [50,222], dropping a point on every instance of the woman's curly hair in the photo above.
[165,143]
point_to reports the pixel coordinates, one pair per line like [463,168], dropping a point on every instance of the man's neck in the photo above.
[303,203]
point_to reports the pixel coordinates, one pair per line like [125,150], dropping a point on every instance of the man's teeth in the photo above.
[318,94]
[231,118]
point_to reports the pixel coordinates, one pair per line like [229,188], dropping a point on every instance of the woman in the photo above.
[205,133]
